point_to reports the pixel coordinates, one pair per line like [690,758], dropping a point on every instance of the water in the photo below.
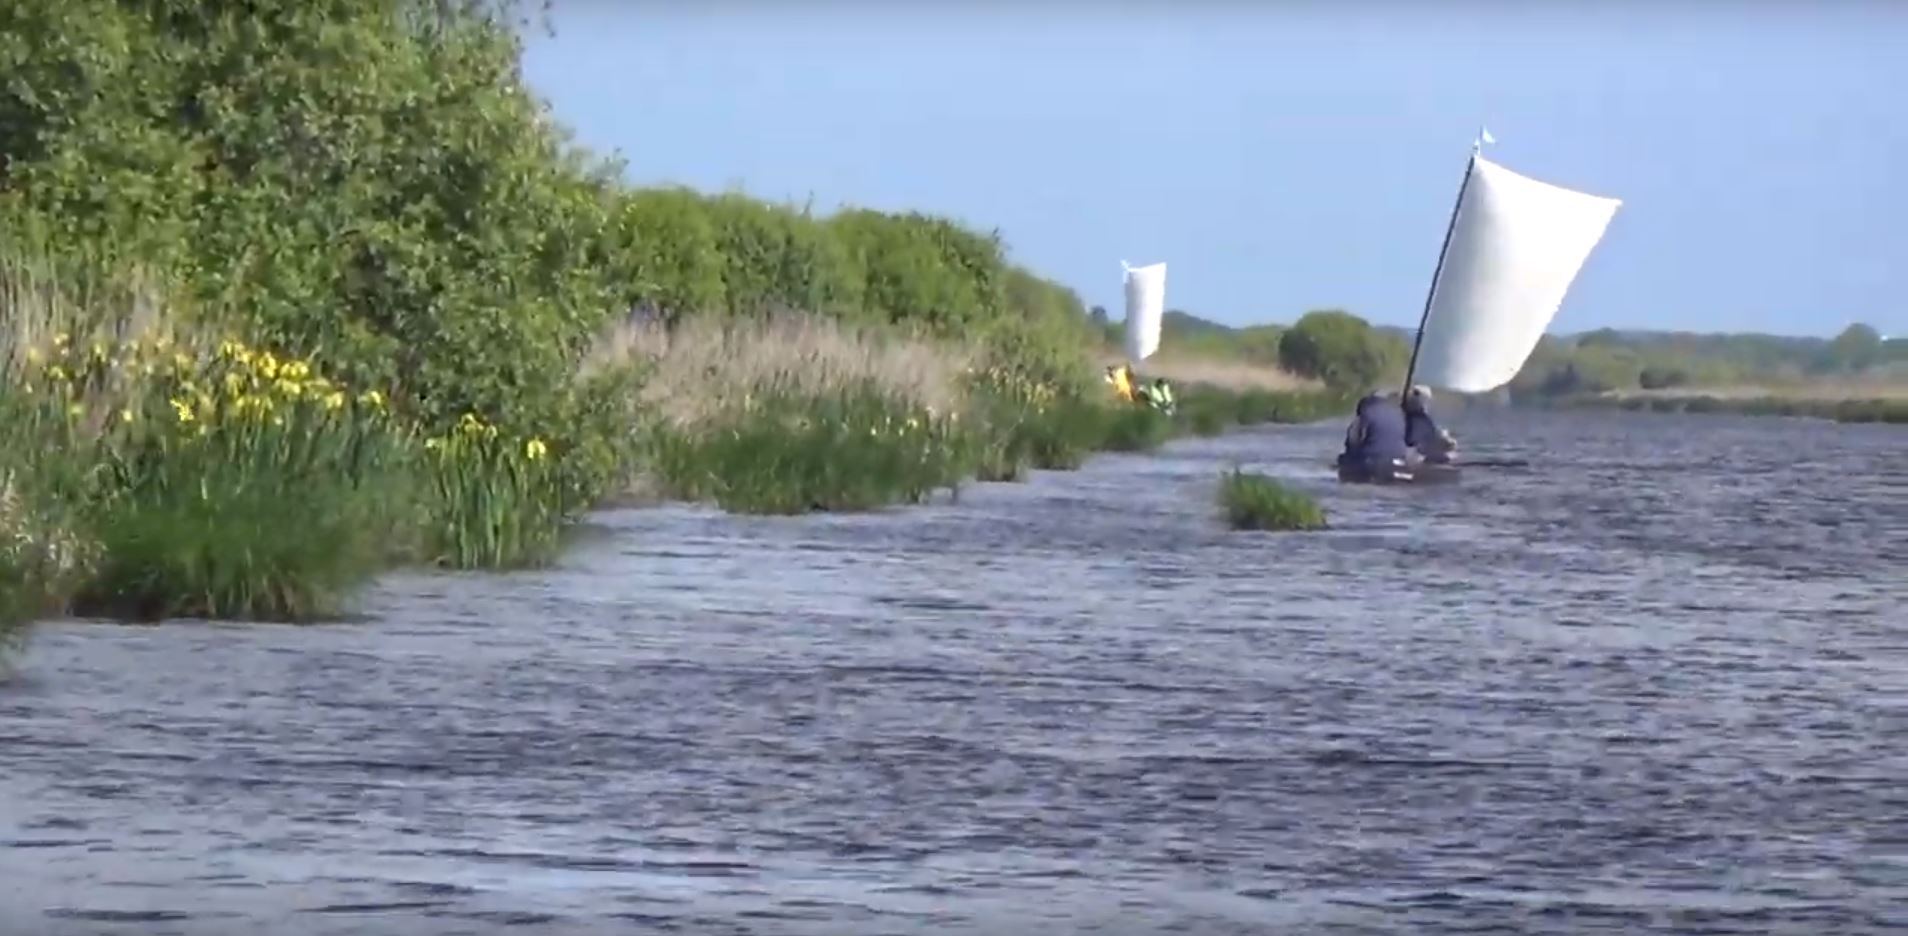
[1661,686]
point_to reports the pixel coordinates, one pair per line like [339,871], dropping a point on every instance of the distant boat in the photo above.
[1145,314]
[1145,309]
[1512,249]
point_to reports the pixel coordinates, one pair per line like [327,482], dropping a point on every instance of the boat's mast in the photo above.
[1411,369]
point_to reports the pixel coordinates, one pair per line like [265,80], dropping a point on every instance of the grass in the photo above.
[1256,502]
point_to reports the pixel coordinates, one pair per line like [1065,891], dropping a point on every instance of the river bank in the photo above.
[154,473]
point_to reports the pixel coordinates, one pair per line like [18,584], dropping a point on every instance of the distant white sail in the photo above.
[1517,246]
[1145,309]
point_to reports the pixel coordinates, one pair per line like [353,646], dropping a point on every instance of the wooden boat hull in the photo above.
[1397,473]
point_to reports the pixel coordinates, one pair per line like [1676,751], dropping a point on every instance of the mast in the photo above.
[1411,369]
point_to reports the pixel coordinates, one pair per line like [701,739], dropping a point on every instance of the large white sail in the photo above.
[1145,309]
[1516,247]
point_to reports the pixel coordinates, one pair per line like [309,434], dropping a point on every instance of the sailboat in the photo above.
[1145,311]
[1512,249]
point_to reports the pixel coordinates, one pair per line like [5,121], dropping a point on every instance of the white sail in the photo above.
[1145,309]
[1516,248]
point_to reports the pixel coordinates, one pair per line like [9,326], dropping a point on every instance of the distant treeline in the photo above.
[1596,362]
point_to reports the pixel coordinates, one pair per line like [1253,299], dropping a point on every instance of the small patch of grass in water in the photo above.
[1253,501]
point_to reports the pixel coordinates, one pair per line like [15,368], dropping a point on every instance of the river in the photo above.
[1660,685]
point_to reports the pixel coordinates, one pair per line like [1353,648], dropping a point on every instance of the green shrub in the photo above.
[672,252]
[924,271]
[777,259]
[1340,349]
[1256,502]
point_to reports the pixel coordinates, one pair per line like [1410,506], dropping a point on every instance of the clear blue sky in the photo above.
[1283,156]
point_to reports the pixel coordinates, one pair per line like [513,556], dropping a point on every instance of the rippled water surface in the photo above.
[1658,686]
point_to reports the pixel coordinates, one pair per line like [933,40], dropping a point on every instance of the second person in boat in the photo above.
[1435,445]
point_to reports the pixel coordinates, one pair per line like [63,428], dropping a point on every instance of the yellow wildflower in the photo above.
[267,366]
[334,400]
[372,398]
[75,409]
[125,415]
[56,372]
[291,389]
[183,409]
[296,370]
[61,340]
[535,449]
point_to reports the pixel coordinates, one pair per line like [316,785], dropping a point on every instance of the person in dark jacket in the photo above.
[1422,434]
[1377,434]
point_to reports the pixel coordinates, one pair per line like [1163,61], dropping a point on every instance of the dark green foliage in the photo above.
[1339,349]
[672,252]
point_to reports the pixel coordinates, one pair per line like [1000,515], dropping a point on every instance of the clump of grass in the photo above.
[491,501]
[42,557]
[236,484]
[214,479]
[1027,421]
[1255,502]
[1207,411]
[855,448]
[1133,428]
[790,413]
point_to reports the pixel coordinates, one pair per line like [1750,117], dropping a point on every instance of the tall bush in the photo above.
[1338,348]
